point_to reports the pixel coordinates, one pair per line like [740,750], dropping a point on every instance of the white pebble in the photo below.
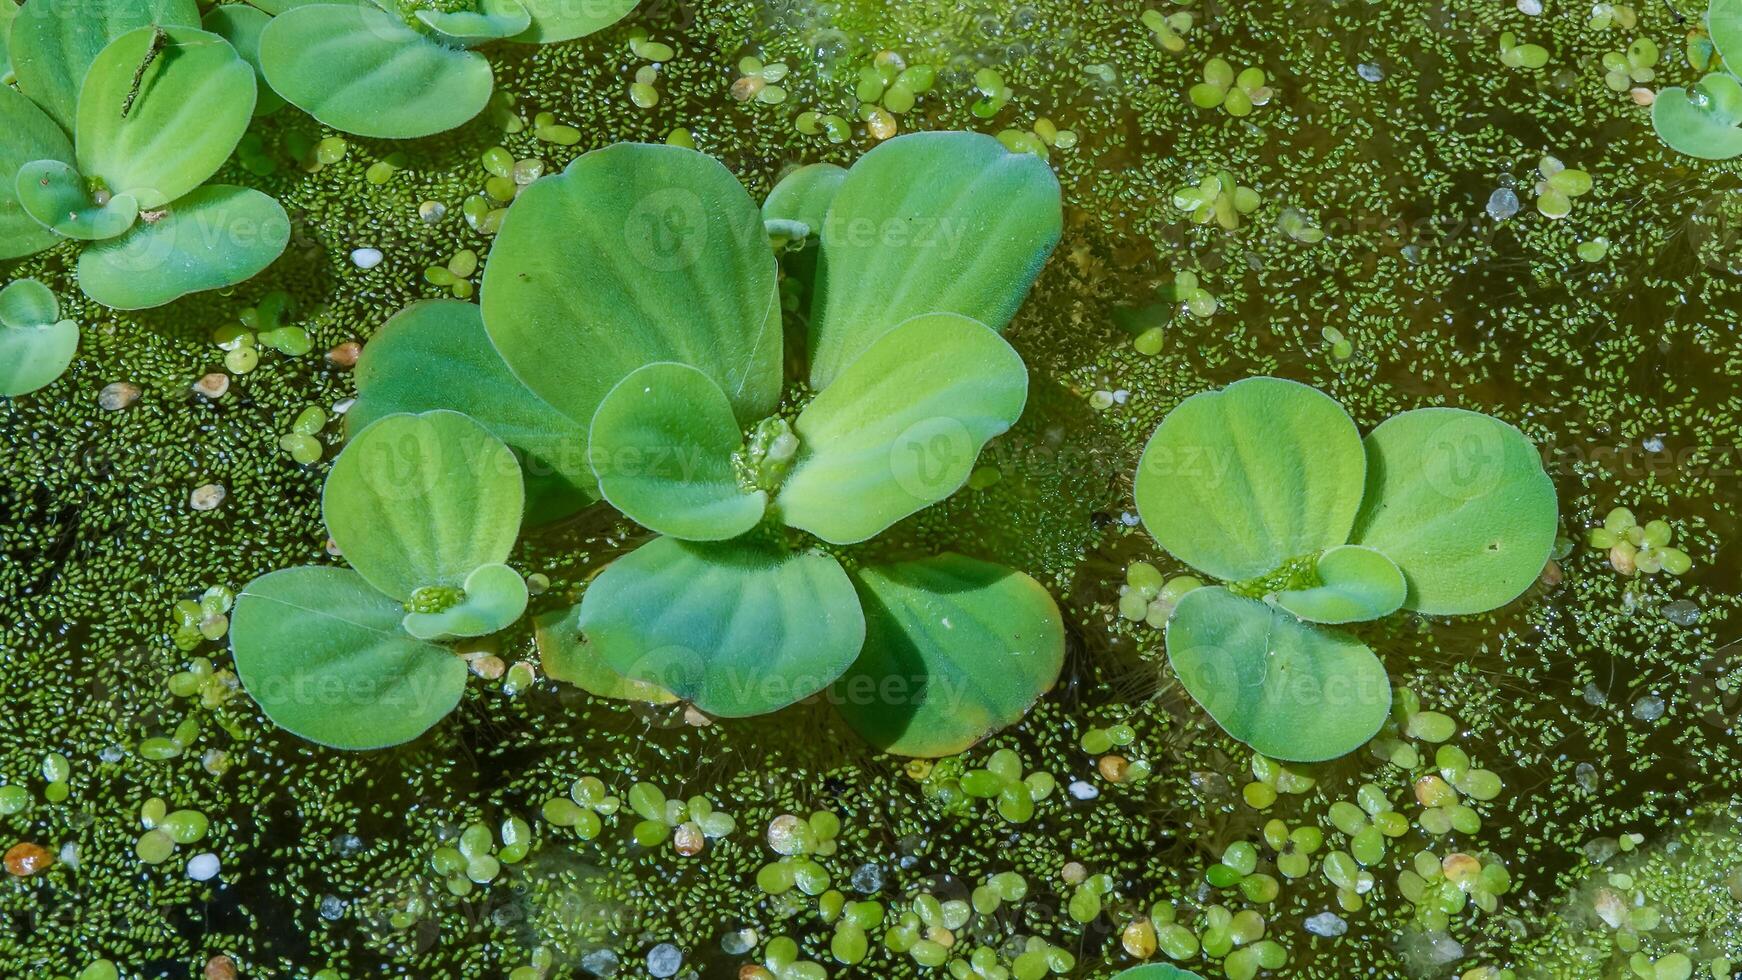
[1328,924]
[203,867]
[1080,790]
[366,258]
[206,497]
[1530,8]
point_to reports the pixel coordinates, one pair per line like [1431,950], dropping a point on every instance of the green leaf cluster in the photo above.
[36,345]
[1268,485]
[426,508]
[630,347]
[1706,120]
[123,111]
[400,71]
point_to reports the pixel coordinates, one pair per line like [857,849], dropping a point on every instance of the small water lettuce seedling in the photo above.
[36,345]
[1236,95]
[1267,485]
[1558,186]
[153,105]
[400,70]
[1706,120]
[631,315]
[425,508]
[1516,55]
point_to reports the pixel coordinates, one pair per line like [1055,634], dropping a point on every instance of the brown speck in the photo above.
[27,859]
[220,967]
[688,840]
[118,395]
[1113,768]
[345,355]
[1552,575]
[1643,96]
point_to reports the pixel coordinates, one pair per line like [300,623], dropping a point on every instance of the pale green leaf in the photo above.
[30,135]
[565,20]
[419,501]
[241,25]
[662,444]
[324,656]
[434,355]
[1460,502]
[189,108]
[900,429]
[1705,122]
[495,596]
[568,657]
[955,649]
[737,628]
[636,253]
[804,195]
[58,196]
[362,70]
[28,303]
[1356,584]
[1291,690]
[1238,481]
[929,223]
[494,20]
[1157,971]
[215,237]
[1724,24]
[54,42]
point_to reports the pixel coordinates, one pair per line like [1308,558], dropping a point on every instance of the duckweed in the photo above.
[1235,94]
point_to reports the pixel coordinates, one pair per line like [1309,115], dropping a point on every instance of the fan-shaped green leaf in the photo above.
[495,596]
[569,658]
[216,236]
[1157,971]
[929,223]
[1704,123]
[56,195]
[28,303]
[241,25]
[435,355]
[159,132]
[496,19]
[418,501]
[54,43]
[900,429]
[324,656]
[30,135]
[1356,584]
[662,444]
[737,628]
[565,20]
[1460,502]
[636,253]
[1291,690]
[1724,24]
[1236,482]
[35,345]
[8,12]
[362,70]
[804,195]
[955,649]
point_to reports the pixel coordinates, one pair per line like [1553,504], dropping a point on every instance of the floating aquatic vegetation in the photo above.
[36,345]
[663,416]
[408,70]
[104,152]
[1268,486]
[425,508]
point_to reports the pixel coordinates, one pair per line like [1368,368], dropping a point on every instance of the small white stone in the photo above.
[206,497]
[1530,8]
[1080,790]
[366,258]
[203,867]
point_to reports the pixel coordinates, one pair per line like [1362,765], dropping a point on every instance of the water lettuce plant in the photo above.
[400,70]
[1706,122]
[36,345]
[630,345]
[123,111]
[1157,971]
[425,508]
[1268,486]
